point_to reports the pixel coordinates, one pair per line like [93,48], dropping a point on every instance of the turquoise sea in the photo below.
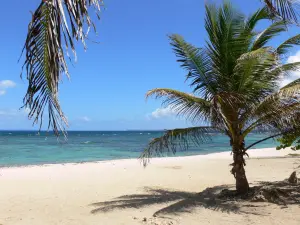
[19,148]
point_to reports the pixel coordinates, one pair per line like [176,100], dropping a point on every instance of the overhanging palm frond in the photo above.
[174,139]
[273,30]
[44,63]
[45,57]
[183,104]
[285,9]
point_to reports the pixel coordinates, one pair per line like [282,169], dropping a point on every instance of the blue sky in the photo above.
[109,81]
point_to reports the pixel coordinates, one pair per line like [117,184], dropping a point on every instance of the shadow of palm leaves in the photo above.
[180,201]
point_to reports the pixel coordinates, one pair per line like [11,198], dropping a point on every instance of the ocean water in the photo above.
[19,148]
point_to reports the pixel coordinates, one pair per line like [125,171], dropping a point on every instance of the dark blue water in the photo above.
[27,148]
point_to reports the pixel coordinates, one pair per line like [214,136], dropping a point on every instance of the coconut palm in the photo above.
[54,25]
[234,80]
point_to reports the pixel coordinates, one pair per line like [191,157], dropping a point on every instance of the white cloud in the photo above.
[161,113]
[14,112]
[8,112]
[85,119]
[5,84]
[293,75]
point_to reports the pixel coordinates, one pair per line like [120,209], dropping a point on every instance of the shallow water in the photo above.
[29,148]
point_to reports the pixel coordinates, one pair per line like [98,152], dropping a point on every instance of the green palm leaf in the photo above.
[259,15]
[285,46]
[276,110]
[196,62]
[229,37]
[53,24]
[293,88]
[44,60]
[183,104]
[275,115]
[272,31]
[176,139]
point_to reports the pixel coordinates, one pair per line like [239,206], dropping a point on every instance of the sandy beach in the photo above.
[123,192]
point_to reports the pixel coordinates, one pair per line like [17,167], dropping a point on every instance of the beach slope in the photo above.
[123,192]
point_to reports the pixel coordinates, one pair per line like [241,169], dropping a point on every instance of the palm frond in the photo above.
[196,62]
[274,112]
[176,139]
[44,61]
[282,70]
[291,89]
[45,57]
[281,104]
[229,37]
[248,78]
[275,101]
[289,43]
[192,107]
[295,66]
[273,30]
[259,15]
[284,9]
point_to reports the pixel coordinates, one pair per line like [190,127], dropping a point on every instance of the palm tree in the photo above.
[284,9]
[55,23]
[60,21]
[234,80]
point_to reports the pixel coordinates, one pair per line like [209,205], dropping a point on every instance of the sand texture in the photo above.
[168,191]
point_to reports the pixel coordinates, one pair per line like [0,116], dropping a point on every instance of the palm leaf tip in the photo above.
[172,140]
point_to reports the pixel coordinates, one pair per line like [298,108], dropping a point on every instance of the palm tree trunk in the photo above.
[238,170]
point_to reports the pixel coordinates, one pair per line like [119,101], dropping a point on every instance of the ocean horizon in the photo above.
[22,148]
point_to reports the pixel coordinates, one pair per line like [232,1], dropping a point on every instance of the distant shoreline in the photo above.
[81,130]
[25,148]
[253,153]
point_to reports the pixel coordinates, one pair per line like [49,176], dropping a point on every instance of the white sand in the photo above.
[65,194]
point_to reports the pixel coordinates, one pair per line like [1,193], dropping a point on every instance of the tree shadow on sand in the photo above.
[219,198]
[179,201]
